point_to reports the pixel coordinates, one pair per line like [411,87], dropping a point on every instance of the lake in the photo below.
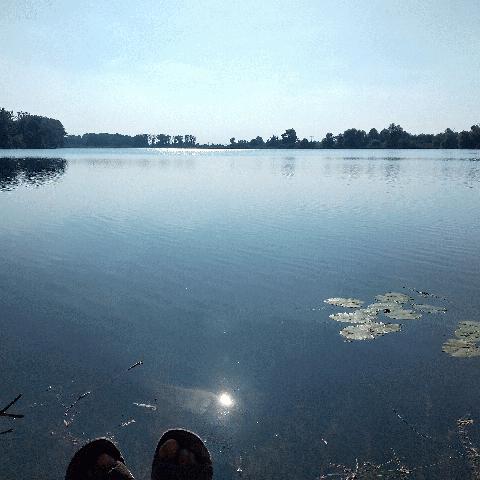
[212,268]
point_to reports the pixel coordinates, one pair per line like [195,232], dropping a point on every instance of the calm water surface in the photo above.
[211,267]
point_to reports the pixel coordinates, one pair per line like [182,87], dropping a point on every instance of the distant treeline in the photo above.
[23,130]
[33,131]
[29,131]
[394,136]
[116,140]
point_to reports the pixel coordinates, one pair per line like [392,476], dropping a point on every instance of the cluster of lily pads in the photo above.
[465,343]
[364,321]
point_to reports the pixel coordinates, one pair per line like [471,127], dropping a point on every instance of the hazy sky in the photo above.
[219,68]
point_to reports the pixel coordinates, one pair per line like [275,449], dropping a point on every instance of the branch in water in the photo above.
[3,411]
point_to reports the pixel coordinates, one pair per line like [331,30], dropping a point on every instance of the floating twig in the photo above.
[134,365]
[128,422]
[83,395]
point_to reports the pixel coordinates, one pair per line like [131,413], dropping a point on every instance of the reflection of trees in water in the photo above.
[472,175]
[352,170]
[178,162]
[288,167]
[392,170]
[29,171]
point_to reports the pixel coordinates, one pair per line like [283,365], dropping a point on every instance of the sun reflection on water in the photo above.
[226,400]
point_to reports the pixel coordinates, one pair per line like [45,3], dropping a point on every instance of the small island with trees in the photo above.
[24,130]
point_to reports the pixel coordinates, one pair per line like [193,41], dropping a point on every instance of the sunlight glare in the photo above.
[225,400]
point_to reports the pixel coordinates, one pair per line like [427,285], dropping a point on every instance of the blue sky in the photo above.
[218,69]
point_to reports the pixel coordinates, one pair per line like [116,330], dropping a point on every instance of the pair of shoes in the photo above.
[84,465]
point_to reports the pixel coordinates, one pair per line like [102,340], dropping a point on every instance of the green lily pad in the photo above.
[362,315]
[428,308]
[393,297]
[468,331]
[368,331]
[460,348]
[344,302]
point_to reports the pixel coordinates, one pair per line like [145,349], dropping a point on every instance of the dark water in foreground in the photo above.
[212,268]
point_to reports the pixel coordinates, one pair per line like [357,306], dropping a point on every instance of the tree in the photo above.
[437,140]
[450,139]
[338,140]
[178,140]
[475,135]
[289,137]
[39,132]
[257,142]
[304,143]
[328,141]
[74,141]
[273,142]
[423,140]
[190,140]
[464,140]
[140,141]
[373,139]
[376,143]
[7,128]
[392,136]
[353,138]
[162,140]
[373,135]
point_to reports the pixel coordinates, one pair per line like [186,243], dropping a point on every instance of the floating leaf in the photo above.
[369,331]
[460,348]
[428,308]
[401,314]
[393,297]
[362,315]
[344,302]
[469,331]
